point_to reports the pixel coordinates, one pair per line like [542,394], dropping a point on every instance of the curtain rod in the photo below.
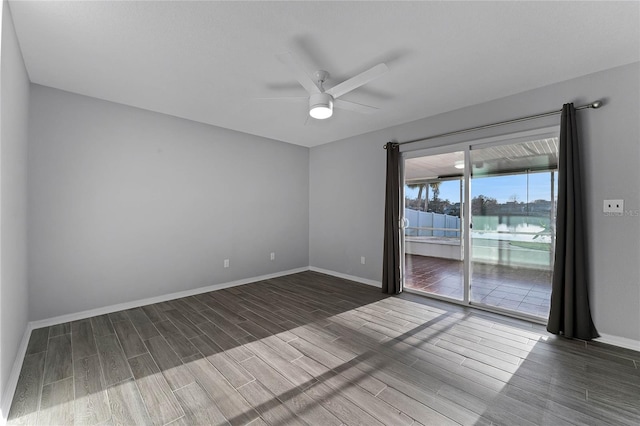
[594,105]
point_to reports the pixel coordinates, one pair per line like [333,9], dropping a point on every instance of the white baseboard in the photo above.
[12,382]
[148,301]
[622,342]
[347,277]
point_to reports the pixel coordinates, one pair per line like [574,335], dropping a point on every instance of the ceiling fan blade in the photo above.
[357,81]
[353,106]
[299,73]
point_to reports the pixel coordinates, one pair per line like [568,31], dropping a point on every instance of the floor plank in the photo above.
[340,406]
[142,323]
[118,316]
[186,327]
[291,372]
[413,408]
[127,406]
[385,413]
[154,314]
[129,338]
[155,391]
[234,407]
[102,325]
[269,407]
[112,360]
[233,372]
[38,341]
[176,374]
[181,345]
[198,406]
[231,346]
[91,403]
[56,404]
[59,329]
[26,400]
[315,349]
[82,341]
[224,324]
[58,364]
[297,401]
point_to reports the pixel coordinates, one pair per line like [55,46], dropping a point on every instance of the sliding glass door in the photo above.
[500,255]
[434,188]
[513,199]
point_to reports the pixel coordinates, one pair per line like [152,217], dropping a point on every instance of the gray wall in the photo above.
[347,185]
[346,206]
[14,95]
[127,204]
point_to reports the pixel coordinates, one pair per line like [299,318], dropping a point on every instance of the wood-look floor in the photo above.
[522,290]
[313,349]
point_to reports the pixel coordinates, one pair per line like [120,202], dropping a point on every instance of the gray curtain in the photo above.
[391,283]
[570,314]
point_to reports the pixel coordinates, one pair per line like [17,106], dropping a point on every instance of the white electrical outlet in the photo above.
[362,259]
[613,206]
[273,255]
[226,263]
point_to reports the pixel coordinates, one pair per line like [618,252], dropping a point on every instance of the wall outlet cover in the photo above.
[613,206]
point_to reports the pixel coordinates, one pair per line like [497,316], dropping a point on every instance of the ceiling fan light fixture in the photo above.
[320,106]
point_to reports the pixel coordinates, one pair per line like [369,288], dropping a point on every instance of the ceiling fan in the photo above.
[321,100]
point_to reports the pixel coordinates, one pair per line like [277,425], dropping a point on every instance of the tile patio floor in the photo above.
[523,290]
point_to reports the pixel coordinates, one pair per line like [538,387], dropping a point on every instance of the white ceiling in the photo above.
[208,61]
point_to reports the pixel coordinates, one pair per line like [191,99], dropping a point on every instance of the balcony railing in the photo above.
[528,245]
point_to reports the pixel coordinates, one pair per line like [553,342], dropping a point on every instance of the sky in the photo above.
[501,188]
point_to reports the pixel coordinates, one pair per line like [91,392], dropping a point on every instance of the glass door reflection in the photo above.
[513,205]
[434,191]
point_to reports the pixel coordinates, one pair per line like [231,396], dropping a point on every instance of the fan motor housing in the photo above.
[320,106]
[320,100]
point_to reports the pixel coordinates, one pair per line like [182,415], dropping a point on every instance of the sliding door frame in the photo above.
[466,147]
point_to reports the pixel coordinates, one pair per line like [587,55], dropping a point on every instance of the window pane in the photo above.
[513,215]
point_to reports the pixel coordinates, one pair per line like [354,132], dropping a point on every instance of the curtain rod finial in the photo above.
[393,144]
[596,104]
